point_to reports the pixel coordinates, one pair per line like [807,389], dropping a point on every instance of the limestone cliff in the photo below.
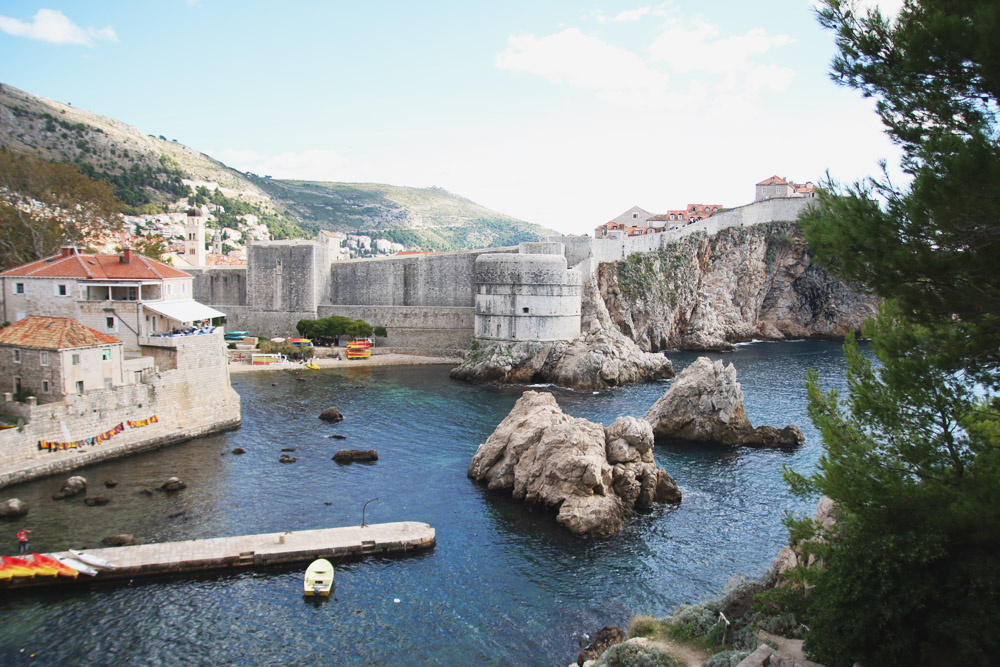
[706,292]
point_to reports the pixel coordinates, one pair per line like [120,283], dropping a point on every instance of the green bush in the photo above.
[22,395]
[630,654]
[726,659]
[644,626]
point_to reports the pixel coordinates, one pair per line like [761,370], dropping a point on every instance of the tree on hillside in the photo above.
[44,205]
[912,454]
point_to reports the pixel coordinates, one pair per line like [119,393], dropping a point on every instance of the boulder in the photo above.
[239,450]
[792,556]
[173,484]
[13,508]
[146,492]
[348,455]
[93,501]
[73,486]
[331,414]
[337,437]
[594,477]
[120,541]
[110,483]
[606,637]
[285,458]
[705,404]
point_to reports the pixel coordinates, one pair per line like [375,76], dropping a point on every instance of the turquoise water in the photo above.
[504,585]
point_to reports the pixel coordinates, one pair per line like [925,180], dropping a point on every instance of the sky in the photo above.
[561,113]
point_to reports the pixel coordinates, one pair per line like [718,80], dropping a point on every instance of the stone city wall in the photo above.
[192,400]
[220,285]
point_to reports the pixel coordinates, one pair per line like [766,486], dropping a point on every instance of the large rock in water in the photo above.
[12,508]
[73,486]
[594,476]
[705,404]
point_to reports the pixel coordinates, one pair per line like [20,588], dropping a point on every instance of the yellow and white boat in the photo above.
[319,578]
[312,364]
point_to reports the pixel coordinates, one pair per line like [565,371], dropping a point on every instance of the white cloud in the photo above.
[316,164]
[633,14]
[51,25]
[586,62]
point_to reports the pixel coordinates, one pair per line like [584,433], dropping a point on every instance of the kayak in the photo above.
[93,560]
[312,364]
[79,566]
[319,578]
[63,569]
[5,573]
[12,571]
[39,569]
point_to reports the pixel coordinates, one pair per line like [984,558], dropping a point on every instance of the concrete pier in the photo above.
[246,552]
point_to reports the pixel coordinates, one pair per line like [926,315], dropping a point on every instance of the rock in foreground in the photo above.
[705,404]
[594,476]
[13,508]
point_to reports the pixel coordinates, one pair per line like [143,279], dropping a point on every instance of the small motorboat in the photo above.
[39,569]
[60,567]
[93,560]
[79,566]
[319,578]
[313,365]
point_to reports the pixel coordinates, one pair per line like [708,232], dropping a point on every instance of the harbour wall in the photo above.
[188,391]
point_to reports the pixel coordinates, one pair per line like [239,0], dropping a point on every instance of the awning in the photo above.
[183,310]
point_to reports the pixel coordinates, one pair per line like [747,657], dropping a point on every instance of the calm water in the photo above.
[504,585]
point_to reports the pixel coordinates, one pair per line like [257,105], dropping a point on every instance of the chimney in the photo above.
[68,250]
[126,257]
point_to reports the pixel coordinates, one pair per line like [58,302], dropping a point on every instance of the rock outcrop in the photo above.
[349,455]
[601,357]
[331,414]
[73,486]
[13,508]
[594,476]
[705,404]
[606,636]
[790,557]
[706,292]
[173,484]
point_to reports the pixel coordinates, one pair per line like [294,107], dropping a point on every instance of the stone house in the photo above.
[775,186]
[53,357]
[128,296]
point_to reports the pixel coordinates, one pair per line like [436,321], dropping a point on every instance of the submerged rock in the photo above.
[13,508]
[348,455]
[285,458]
[93,501]
[73,486]
[110,483]
[705,404]
[173,484]
[606,637]
[594,477]
[331,414]
[239,450]
[123,540]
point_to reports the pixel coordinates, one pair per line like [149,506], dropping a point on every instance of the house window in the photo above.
[18,288]
[45,386]
[635,215]
[17,384]
[43,358]
[62,290]
[133,293]
[17,356]
[184,288]
[109,323]
[76,359]
[105,354]
[79,386]
[170,289]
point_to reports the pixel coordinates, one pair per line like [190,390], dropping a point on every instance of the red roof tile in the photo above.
[774,180]
[52,333]
[96,267]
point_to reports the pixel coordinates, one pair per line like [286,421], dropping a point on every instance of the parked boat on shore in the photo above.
[91,559]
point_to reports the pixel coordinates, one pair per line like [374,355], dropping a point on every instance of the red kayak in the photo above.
[39,569]
[63,569]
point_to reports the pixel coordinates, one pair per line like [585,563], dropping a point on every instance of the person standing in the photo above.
[22,540]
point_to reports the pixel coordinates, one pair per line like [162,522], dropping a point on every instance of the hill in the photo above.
[150,172]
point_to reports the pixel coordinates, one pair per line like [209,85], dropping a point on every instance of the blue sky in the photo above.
[561,113]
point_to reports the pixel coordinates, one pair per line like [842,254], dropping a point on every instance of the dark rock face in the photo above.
[348,455]
[93,501]
[705,404]
[331,414]
[73,486]
[594,476]
[606,637]
[173,484]
[13,508]
[123,540]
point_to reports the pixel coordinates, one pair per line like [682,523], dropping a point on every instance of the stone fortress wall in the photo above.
[425,301]
[188,391]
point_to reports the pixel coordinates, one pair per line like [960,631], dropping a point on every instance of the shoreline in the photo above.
[377,359]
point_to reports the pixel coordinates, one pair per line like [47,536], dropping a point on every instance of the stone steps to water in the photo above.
[219,554]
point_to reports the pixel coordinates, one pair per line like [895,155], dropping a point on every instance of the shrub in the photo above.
[630,654]
[643,626]
[726,659]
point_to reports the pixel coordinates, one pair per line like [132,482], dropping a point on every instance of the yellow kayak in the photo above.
[313,365]
[16,571]
[37,568]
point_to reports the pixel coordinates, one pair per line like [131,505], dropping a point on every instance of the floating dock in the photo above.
[246,552]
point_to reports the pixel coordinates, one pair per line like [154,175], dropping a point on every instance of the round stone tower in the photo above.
[528,296]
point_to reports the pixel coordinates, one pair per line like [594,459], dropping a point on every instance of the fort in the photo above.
[438,302]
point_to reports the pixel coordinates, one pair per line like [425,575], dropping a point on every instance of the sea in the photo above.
[504,585]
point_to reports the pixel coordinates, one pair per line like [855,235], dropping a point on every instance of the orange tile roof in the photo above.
[774,180]
[96,267]
[52,333]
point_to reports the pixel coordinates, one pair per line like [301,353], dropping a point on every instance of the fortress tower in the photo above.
[528,296]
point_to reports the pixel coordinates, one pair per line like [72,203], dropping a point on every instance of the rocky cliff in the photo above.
[743,283]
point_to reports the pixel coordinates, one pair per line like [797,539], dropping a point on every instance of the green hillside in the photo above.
[150,172]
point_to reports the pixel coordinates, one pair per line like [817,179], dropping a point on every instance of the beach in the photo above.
[382,357]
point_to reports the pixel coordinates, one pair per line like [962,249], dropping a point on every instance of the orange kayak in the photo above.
[5,573]
[39,569]
[63,569]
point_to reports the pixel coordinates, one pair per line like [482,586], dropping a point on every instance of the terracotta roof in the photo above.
[96,267]
[774,180]
[52,333]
